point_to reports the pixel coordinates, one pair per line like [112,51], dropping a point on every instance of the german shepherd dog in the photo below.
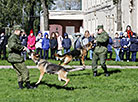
[47,67]
[81,53]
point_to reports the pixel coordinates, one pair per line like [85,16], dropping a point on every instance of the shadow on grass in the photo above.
[58,86]
[111,72]
[80,74]
[135,100]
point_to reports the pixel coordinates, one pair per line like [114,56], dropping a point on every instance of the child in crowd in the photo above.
[38,44]
[125,44]
[66,43]
[109,48]
[134,47]
[31,41]
[23,39]
[117,45]
[45,45]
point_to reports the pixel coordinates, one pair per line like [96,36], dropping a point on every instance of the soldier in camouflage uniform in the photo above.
[15,48]
[100,50]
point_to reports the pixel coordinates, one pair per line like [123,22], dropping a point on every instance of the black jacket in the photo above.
[134,44]
[53,43]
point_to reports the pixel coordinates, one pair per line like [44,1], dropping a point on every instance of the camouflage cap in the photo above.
[17,27]
[99,27]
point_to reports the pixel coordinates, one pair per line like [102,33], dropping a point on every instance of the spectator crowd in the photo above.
[124,44]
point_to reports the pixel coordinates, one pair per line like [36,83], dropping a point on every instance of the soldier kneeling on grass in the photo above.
[15,48]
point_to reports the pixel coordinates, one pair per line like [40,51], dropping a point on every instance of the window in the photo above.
[66,5]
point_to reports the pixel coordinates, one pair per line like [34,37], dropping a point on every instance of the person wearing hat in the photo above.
[15,48]
[45,45]
[66,43]
[31,41]
[100,50]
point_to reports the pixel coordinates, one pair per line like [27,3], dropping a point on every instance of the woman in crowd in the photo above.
[117,45]
[53,44]
[129,31]
[59,40]
[45,45]
[38,44]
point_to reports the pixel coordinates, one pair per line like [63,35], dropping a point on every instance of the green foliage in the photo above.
[121,86]
[12,13]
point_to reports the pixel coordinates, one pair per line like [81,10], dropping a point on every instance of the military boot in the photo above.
[29,86]
[95,73]
[106,73]
[20,85]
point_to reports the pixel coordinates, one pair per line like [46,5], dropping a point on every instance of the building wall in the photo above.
[96,13]
[104,12]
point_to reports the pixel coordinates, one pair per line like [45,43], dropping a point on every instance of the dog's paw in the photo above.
[36,83]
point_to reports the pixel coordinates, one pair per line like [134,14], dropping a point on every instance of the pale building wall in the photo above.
[95,12]
[94,15]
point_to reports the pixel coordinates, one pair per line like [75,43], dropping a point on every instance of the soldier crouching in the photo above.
[15,48]
[100,50]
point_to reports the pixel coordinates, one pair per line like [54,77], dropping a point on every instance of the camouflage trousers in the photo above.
[22,71]
[99,56]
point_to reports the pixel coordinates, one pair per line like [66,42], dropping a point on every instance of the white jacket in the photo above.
[38,42]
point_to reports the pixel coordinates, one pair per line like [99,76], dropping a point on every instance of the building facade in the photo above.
[104,12]
[93,13]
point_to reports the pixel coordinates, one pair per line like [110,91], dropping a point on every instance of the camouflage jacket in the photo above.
[15,48]
[101,42]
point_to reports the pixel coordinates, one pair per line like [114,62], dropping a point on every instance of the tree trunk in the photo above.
[31,20]
[119,16]
[46,14]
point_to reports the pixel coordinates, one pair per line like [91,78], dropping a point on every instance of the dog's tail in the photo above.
[59,56]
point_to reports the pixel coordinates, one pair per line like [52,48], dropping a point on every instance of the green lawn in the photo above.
[121,86]
[87,62]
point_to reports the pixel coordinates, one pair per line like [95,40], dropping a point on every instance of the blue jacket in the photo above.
[66,43]
[125,42]
[45,42]
[24,40]
[77,43]
[109,46]
[134,44]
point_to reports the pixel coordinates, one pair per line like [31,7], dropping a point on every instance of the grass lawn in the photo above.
[121,86]
[87,62]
